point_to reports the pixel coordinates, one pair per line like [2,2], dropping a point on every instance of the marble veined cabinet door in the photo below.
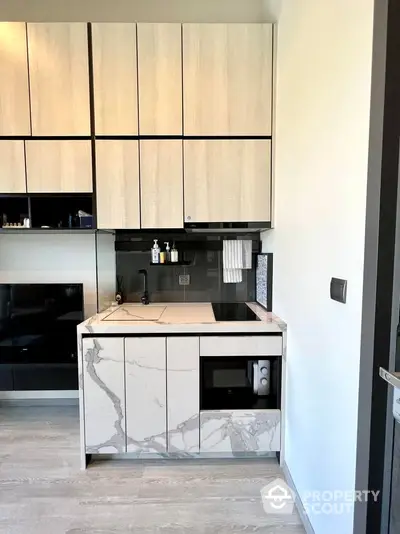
[146,410]
[240,431]
[104,394]
[183,368]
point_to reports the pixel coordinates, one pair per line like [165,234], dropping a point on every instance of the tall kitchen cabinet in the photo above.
[160,79]
[59,78]
[115,78]
[227,79]
[227,180]
[14,86]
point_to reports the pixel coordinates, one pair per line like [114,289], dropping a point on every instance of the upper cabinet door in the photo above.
[115,78]
[117,184]
[161,182]
[160,79]
[12,167]
[59,78]
[14,87]
[59,166]
[227,79]
[227,180]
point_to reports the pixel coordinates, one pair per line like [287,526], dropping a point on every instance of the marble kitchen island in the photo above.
[140,375]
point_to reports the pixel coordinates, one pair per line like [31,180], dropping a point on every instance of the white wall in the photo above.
[49,258]
[322,129]
[140,10]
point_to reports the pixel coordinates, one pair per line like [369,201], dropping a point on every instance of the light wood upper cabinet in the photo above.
[161,181]
[14,87]
[115,78]
[227,180]
[12,167]
[59,78]
[59,166]
[117,184]
[227,79]
[160,79]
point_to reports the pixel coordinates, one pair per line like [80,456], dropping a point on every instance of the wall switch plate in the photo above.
[184,279]
[339,290]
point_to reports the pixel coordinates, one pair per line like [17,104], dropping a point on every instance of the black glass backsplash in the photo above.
[202,255]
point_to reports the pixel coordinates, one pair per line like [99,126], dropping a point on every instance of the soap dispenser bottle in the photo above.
[167,252]
[174,254]
[155,252]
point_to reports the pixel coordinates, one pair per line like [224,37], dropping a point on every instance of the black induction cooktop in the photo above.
[233,311]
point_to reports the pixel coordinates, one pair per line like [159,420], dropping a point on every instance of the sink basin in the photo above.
[136,313]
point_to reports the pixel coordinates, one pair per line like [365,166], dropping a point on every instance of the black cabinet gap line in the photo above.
[92,123]
[45,138]
[185,137]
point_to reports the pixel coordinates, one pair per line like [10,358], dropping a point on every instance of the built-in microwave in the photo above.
[239,383]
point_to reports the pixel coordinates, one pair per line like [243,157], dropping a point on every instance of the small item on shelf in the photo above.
[27,222]
[162,256]
[85,219]
[155,252]
[174,254]
[167,252]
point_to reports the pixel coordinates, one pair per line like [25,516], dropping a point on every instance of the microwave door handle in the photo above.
[255,378]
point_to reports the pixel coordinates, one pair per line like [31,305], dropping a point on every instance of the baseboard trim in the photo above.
[299,505]
[40,397]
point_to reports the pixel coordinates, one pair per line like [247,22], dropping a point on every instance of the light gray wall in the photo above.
[140,10]
[51,259]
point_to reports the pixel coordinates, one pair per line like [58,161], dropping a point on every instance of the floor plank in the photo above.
[43,491]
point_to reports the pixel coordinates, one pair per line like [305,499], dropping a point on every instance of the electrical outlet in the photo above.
[184,279]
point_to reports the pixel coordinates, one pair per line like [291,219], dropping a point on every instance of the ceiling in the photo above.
[140,10]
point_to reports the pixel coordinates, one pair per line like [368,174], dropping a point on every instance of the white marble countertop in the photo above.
[178,317]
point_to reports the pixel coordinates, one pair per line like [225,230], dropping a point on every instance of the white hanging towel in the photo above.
[247,250]
[232,259]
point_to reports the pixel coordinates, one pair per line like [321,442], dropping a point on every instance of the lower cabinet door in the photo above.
[183,394]
[240,431]
[146,409]
[104,395]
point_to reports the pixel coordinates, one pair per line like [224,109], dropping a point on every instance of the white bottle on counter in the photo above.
[155,252]
[174,254]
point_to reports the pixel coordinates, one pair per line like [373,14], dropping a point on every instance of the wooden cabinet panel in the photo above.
[227,180]
[227,79]
[104,394]
[117,184]
[183,383]
[12,167]
[54,166]
[115,78]
[161,182]
[14,87]
[59,78]
[160,79]
[146,402]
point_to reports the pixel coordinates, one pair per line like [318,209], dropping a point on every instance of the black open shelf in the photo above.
[13,209]
[60,211]
[170,263]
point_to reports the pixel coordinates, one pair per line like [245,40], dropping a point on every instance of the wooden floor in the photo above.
[42,489]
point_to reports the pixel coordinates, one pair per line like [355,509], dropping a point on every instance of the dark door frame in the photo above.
[381,291]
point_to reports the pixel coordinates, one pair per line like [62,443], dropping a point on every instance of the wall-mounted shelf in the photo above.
[170,264]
